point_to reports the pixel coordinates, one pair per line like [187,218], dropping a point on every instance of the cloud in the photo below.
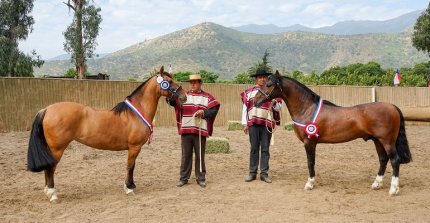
[319,9]
[289,8]
[367,12]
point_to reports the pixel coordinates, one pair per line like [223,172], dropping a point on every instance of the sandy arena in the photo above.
[90,184]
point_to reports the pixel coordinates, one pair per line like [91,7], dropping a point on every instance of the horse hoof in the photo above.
[128,191]
[393,191]
[55,201]
[51,193]
[394,188]
[376,186]
[310,184]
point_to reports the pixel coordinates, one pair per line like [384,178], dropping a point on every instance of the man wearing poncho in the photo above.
[259,123]
[195,120]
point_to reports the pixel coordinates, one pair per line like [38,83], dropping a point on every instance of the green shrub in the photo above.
[217,145]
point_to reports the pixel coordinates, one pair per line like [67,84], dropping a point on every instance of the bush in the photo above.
[217,145]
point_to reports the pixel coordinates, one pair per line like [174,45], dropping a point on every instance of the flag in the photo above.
[397,77]
[170,69]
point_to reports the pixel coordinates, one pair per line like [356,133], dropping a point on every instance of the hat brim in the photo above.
[194,80]
[256,75]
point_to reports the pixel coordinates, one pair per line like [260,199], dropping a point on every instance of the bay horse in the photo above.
[320,121]
[128,126]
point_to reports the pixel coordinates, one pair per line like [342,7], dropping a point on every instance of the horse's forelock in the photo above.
[168,74]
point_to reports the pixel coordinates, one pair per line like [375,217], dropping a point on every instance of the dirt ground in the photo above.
[90,184]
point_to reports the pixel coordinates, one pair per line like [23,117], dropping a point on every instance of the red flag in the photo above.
[397,77]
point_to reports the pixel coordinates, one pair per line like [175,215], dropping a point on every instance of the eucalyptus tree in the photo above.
[421,35]
[16,24]
[81,34]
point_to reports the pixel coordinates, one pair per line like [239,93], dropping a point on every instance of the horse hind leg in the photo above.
[383,160]
[50,190]
[395,163]
[390,149]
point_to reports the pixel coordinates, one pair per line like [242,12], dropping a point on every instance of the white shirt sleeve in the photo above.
[244,114]
[277,106]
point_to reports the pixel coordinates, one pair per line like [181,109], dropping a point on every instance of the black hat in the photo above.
[261,71]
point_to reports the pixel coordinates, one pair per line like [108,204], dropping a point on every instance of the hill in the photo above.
[227,52]
[396,25]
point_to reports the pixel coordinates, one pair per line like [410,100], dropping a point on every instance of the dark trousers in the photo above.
[259,138]
[190,142]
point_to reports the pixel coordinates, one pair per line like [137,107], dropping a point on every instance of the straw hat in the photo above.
[193,77]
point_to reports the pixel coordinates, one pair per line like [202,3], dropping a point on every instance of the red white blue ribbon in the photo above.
[142,117]
[311,129]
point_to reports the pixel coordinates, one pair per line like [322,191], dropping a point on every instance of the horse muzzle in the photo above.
[182,99]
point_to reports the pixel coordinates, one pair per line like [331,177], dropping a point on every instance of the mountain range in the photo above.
[228,52]
[395,25]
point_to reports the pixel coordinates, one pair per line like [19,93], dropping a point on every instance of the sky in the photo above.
[127,22]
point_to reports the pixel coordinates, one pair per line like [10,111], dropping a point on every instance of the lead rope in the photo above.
[269,117]
[200,143]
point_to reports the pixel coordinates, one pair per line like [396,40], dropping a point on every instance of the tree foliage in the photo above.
[71,72]
[261,65]
[182,76]
[421,35]
[243,78]
[16,24]
[207,76]
[80,36]
[370,74]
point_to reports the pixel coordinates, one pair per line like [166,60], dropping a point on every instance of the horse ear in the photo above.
[277,74]
[162,70]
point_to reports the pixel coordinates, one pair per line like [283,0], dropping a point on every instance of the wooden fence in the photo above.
[21,98]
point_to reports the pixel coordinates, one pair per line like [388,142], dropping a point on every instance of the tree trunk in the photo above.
[80,60]
[14,47]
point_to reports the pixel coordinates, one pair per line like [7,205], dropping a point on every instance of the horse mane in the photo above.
[122,106]
[308,92]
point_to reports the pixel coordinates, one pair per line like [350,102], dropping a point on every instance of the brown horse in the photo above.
[320,121]
[126,127]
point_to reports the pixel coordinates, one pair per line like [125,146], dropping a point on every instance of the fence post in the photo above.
[373,90]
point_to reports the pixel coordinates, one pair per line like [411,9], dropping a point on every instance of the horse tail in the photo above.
[38,156]
[402,146]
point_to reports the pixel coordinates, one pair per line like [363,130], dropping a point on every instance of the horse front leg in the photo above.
[383,160]
[129,185]
[310,145]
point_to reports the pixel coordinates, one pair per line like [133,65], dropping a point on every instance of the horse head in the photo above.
[270,90]
[169,88]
